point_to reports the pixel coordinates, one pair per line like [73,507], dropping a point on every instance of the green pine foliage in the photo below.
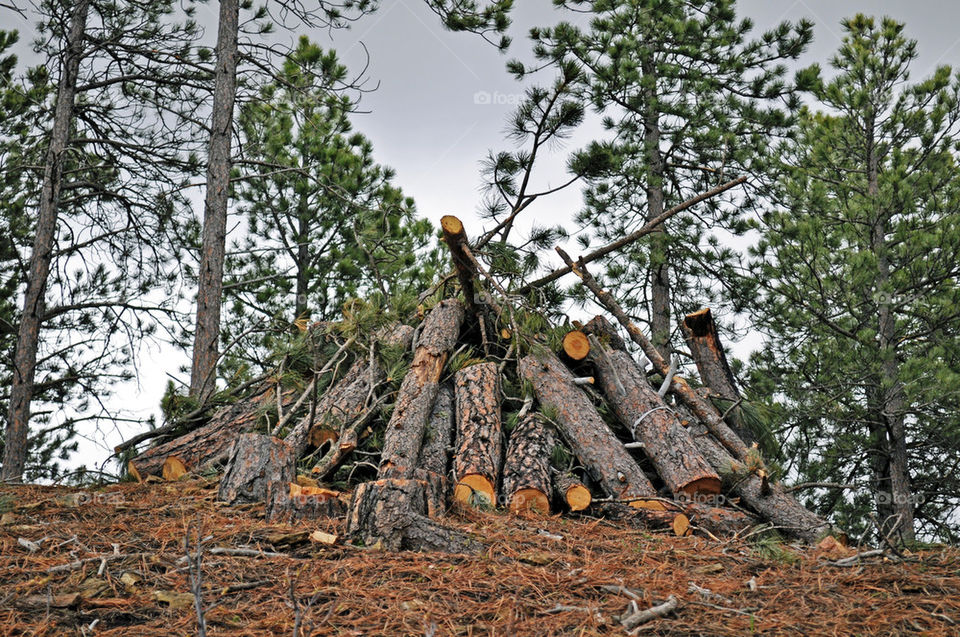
[856,278]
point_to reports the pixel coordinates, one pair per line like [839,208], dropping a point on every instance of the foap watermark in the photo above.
[496,98]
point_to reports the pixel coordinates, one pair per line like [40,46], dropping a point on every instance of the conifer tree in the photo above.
[858,272]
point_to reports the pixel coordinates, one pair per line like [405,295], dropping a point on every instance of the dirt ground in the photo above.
[112,561]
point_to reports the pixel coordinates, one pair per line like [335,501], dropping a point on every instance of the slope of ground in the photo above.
[113,562]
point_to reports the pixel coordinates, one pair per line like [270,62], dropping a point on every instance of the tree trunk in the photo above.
[526,469]
[479,453]
[439,437]
[16,440]
[391,512]
[700,332]
[404,433]
[207,446]
[588,435]
[455,237]
[210,285]
[256,461]
[650,420]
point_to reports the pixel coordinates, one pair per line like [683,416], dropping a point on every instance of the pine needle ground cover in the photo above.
[113,562]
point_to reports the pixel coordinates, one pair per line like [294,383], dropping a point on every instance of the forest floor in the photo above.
[112,561]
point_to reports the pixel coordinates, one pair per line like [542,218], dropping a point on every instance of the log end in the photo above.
[530,500]
[709,485]
[700,323]
[578,497]
[649,505]
[451,224]
[576,345]
[681,525]
[132,470]
[173,469]
[475,490]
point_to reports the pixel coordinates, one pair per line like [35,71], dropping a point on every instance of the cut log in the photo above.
[207,446]
[392,513]
[434,462]
[350,398]
[605,332]
[572,492]
[673,521]
[702,409]
[290,502]
[576,346]
[255,462]
[778,507]
[526,469]
[652,422]
[404,432]
[173,469]
[588,435]
[477,461]
[700,333]
[455,237]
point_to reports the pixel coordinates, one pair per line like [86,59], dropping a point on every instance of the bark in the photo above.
[777,506]
[435,452]
[392,513]
[455,237]
[208,446]
[210,285]
[16,439]
[479,453]
[351,397]
[404,432]
[572,492]
[605,332]
[526,469]
[256,461]
[700,333]
[651,421]
[589,437]
[701,408]
[674,521]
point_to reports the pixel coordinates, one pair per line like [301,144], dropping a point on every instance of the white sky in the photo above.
[425,122]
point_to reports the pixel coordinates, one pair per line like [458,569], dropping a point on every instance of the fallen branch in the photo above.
[648,228]
[643,616]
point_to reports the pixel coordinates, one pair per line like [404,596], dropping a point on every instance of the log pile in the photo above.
[489,417]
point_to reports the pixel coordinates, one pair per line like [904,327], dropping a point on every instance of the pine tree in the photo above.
[858,273]
[324,222]
[687,98]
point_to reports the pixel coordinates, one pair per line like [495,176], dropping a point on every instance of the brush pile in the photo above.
[480,402]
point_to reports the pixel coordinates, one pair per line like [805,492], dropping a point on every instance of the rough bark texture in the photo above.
[676,522]
[666,442]
[572,492]
[393,513]
[205,447]
[291,503]
[479,454]
[433,465]
[778,507]
[588,435]
[702,409]
[350,398]
[255,462]
[455,237]
[28,334]
[700,333]
[526,469]
[404,432]
[605,332]
[210,284]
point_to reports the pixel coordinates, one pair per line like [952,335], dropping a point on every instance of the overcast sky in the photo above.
[443,99]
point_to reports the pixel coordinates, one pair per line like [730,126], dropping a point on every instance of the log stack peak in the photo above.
[489,417]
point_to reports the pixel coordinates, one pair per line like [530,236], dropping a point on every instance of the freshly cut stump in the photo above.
[572,492]
[666,442]
[526,469]
[255,462]
[479,435]
[589,437]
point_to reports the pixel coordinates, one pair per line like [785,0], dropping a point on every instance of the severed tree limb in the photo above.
[700,407]
[648,228]
[643,616]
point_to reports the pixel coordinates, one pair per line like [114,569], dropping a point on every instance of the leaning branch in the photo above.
[649,228]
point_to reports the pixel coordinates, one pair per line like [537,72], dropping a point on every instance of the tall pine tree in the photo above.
[858,277]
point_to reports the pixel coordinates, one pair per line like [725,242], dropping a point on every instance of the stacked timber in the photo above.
[489,417]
